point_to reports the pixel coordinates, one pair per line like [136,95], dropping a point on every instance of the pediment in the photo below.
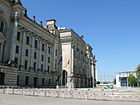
[2,37]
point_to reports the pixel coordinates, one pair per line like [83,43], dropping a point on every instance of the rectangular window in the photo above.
[43,81]
[48,70]
[42,47]
[55,64]
[27,40]
[77,49]
[35,55]
[48,59]
[26,64]
[56,52]
[49,81]
[27,52]
[1,27]
[34,66]
[42,58]
[26,80]
[18,36]
[35,43]
[18,80]
[42,67]
[49,50]
[17,49]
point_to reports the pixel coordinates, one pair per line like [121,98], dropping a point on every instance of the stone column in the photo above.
[71,80]
[79,81]
[22,50]
[52,57]
[94,69]
[31,54]
[53,61]
[46,55]
[13,37]
[92,72]
[1,52]
[39,54]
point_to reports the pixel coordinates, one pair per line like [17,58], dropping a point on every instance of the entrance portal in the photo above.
[2,77]
[35,81]
[64,77]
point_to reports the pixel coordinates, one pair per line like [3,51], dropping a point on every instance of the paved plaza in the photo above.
[6,99]
[121,94]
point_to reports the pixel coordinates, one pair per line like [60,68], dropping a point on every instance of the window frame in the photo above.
[1,26]
[17,49]
[36,44]
[27,40]
[18,35]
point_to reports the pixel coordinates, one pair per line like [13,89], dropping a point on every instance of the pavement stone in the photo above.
[7,99]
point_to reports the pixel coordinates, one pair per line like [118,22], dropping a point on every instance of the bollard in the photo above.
[45,93]
[87,95]
[12,90]
[4,91]
[22,91]
[112,96]
[93,95]
[121,97]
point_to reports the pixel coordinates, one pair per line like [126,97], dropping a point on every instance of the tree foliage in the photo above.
[138,74]
[132,80]
[138,68]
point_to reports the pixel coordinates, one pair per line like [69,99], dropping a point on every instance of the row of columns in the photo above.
[13,45]
[32,50]
[13,38]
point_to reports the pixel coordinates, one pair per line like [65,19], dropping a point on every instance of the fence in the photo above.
[90,94]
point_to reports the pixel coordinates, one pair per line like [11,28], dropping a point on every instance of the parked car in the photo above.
[108,87]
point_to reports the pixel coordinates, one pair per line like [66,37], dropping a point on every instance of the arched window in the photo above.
[1,26]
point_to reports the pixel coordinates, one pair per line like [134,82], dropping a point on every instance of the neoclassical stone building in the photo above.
[29,53]
[32,55]
[78,67]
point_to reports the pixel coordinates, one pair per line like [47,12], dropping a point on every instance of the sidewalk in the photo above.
[83,94]
[6,99]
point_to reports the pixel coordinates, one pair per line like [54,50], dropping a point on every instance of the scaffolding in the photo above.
[106,77]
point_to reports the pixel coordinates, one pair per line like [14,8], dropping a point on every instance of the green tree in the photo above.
[138,74]
[132,80]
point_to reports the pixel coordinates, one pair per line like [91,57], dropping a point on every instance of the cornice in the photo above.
[6,4]
[33,34]
[33,24]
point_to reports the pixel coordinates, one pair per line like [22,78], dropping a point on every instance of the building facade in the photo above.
[32,55]
[78,67]
[122,78]
[29,52]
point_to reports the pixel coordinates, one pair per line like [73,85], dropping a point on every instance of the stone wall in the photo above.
[10,75]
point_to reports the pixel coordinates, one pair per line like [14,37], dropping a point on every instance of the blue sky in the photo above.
[111,27]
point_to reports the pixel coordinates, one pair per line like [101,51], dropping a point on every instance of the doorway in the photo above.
[64,77]
[35,81]
[2,77]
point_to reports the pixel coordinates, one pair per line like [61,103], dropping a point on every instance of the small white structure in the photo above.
[122,78]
